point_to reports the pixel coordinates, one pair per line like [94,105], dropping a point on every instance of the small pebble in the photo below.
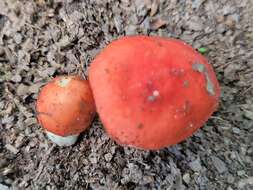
[219,164]
[35,88]
[197,3]
[221,28]
[18,38]
[7,120]
[241,172]
[248,114]
[196,165]
[4,187]
[230,179]
[22,89]
[28,131]
[186,178]
[131,30]
[195,24]
[235,17]
[227,9]
[247,181]
[30,121]
[93,158]
[1,51]
[108,157]
[16,78]
[236,130]
[11,148]
[19,141]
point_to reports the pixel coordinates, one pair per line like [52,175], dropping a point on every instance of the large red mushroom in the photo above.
[152,92]
[65,108]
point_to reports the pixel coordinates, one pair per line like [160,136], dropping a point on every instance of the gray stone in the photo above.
[35,88]
[221,28]
[131,30]
[228,10]
[22,89]
[236,130]
[230,179]
[108,157]
[196,165]
[30,121]
[241,172]
[18,38]
[11,148]
[186,178]
[248,114]
[4,187]
[16,78]
[197,3]
[219,164]
[243,182]
[93,158]
[195,24]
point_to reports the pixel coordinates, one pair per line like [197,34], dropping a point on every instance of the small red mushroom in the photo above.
[65,108]
[152,92]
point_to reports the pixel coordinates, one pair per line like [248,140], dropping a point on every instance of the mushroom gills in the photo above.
[62,141]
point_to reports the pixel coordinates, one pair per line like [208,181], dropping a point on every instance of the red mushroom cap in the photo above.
[152,92]
[65,106]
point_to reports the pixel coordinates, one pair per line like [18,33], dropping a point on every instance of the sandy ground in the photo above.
[41,39]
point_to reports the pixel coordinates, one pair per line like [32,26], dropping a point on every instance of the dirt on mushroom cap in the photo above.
[150,73]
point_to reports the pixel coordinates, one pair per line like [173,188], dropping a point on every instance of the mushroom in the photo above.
[65,108]
[152,92]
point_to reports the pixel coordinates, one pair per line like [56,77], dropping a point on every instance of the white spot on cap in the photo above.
[63,82]
[156,93]
[191,125]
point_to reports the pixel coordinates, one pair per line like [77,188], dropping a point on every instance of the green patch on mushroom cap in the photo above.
[202,69]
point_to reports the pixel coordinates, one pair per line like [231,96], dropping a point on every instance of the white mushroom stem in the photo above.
[62,141]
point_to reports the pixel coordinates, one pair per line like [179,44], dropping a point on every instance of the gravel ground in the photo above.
[43,38]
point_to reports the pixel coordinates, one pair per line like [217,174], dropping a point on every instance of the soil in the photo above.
[41,39]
